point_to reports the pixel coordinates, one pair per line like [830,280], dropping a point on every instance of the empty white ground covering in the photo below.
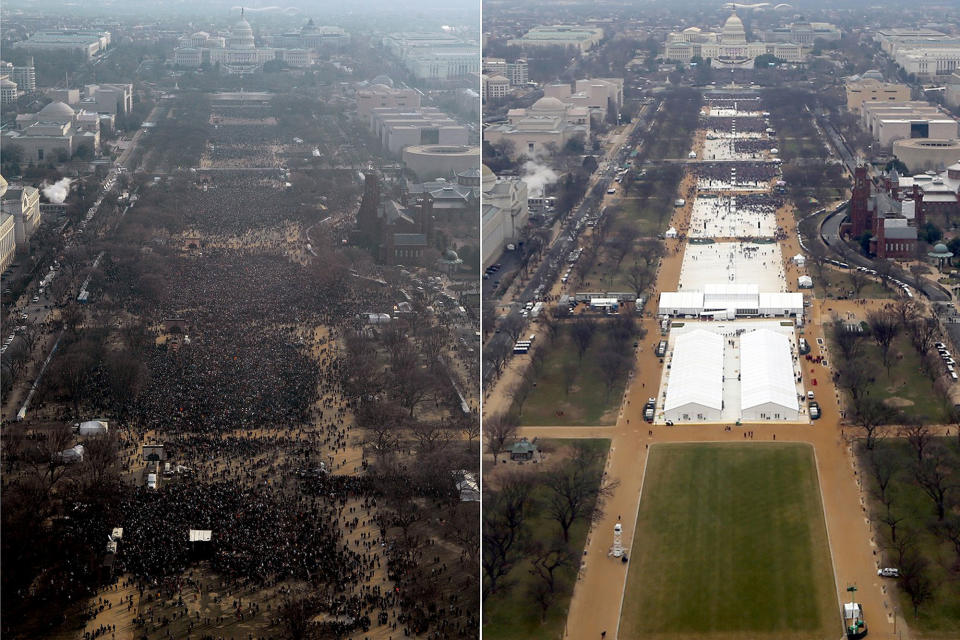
[722,218]
[695,388]
[731,263]
[718,148]
[768,389]
[728,112]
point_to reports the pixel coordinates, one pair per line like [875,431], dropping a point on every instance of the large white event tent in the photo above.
[767,387]
[695,386]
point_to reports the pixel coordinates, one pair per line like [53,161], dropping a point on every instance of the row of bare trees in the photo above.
[528,520]
[883,327]
[919,538]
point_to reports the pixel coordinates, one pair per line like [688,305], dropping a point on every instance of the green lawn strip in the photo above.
[730,540]
[940,616]
[512,614]
[904,380]
[587,403]
[835,284]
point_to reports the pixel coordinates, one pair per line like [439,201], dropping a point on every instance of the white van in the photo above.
[151,481]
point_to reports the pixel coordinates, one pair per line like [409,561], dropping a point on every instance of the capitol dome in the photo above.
[57,110]
[386,81]
[548,104]
[733,31]
[241,36]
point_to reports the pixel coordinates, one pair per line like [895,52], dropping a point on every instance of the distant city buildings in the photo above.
[25,77]
[595,94]
[433,161]
[888,122]
[925,53]
[398,128]
[516,72]
[106,99]
[861,89]
[54,132]
[494,87]
[22,204]
[395,232]
[381,94]
[560,35]
[87,42]
[952,92]
[439,57]
[542,129]
[729,48]
[8,90]
[238,54]
[927,154]
[803,33]
[505,213]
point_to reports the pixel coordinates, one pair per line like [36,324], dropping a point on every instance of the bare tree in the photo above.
[582,332]
[504,517]
[934,474]
[576,490]
[613,365]
[870,413]
[498,430]
[858,279]
[919,437]
[923,333]
[915,582]
[884,328]
[56,441]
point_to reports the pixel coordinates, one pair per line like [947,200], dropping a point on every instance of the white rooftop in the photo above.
[696,372]
[767,374]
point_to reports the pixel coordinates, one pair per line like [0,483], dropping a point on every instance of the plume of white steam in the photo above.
[58,191]
[538,176]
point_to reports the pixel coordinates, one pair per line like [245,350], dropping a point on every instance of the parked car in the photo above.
[889,572]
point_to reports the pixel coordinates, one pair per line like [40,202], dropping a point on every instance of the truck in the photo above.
[814,410]
[151,481]
[662,348]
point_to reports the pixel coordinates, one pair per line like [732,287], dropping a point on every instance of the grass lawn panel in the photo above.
[730,542]
[588,402]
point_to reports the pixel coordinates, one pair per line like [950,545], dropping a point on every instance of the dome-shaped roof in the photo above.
[733,31]
[200,34]
[57,110]
[3,185]
[547,104]
[6,82]
[940,248]
[488,178]
[382,79]
[241,36]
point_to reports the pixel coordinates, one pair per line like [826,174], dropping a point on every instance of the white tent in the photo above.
[767,388]
[92,427]
[680,303]
[799,260]
[780,303]
[805,282]
[200,535]
[73,454]
[695,386]
[671,232]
